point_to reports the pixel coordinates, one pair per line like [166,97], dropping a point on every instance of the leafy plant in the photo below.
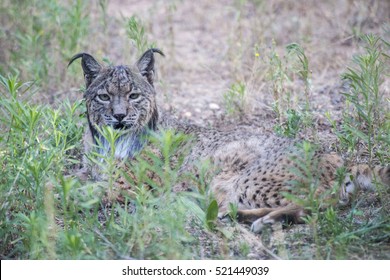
[365,122]
[302,70]
[292,124]
[278,75]
[282,71]
[233,210]
[136,33]
[234,99]
[37,144]
[44,33]
[212,214]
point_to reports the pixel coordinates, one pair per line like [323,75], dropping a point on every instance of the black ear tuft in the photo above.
[90,66]
[146,64]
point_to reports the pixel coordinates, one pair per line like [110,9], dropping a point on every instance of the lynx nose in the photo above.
[119,117]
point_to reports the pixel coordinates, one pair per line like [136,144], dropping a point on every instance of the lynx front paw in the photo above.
[224,216]
[258,225]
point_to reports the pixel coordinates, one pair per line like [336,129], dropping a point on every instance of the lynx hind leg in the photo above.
[248,216]
[291,212]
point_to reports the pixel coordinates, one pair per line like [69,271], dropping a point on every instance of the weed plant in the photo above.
[136,33]
[234,99]
[38,143]
[41,34]
[367,121]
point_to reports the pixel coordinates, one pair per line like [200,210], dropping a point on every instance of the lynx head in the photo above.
[122,97]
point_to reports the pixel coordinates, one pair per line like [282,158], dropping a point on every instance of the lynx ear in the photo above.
[146,64]
[90,66]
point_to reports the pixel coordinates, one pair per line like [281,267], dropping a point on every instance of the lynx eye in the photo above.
[104,97]
[134,96]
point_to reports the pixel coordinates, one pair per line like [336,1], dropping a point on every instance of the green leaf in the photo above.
[226,233]
[212,213]
[193,207]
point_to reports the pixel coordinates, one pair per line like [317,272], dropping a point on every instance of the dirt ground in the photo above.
[210,45]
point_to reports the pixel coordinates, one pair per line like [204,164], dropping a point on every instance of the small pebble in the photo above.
[214,106]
